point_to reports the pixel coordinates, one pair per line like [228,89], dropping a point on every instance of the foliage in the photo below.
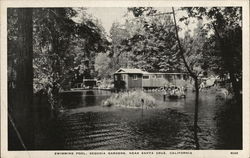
[92,40]
[140,11]
[149,42]
[63,49]
[118,34]
[106,83]
[194,48]
[53,31]
[134,99]
[225,44]
[102,65]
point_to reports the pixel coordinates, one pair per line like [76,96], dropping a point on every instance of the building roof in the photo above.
[139,71]
[129,71]
[164,73]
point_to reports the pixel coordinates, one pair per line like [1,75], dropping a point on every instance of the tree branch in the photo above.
[216,32]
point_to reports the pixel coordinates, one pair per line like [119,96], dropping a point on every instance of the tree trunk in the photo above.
[55,64]
[22,113]
[196,113]
[235,85]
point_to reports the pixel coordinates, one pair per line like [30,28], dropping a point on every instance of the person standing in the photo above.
[164,94]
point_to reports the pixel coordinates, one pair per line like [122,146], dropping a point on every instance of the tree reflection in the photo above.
[196,121]
[90,98]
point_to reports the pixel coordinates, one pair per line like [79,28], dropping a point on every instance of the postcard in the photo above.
[124,79]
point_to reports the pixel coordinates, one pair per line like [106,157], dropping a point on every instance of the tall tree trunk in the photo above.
[23,106]
[55,63]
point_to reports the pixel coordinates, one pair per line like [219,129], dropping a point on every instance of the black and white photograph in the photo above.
[124,78]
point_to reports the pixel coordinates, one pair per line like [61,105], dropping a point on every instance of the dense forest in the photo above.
[51,49]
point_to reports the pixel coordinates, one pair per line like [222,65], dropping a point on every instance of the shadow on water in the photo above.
[72,99]
[229,125]
[85,98]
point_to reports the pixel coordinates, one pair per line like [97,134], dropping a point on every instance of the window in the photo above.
[134,77]
[116,77]
[170,78]
[153,76]
[123,77]
[178,76]
[158,76]
[145,77]
[185,76]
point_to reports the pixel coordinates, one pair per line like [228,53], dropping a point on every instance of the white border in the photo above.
[59,3]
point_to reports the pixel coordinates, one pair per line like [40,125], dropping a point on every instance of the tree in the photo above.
[102,65]
[119,57]
[194,51]
[53,32]
[94,41]
[149,43]
[226,23]
[64,49]
[140,11]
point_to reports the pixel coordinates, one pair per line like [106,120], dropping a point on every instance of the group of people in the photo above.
[174,91]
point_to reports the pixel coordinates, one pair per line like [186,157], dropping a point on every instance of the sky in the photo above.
[108,15]
[116,14]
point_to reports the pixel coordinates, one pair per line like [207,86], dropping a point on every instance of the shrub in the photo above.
[134,99]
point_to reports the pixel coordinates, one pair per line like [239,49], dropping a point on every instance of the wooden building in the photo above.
[138,79]
[156,80]
[128,78]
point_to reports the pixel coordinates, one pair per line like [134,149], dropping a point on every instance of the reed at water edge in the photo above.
[131,99]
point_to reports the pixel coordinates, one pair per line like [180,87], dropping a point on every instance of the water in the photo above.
[85,98]
[86,125]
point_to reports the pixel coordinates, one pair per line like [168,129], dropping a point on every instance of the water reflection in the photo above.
[85,98]
[90,98]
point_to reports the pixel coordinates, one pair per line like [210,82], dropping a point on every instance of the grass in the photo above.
[133,99]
